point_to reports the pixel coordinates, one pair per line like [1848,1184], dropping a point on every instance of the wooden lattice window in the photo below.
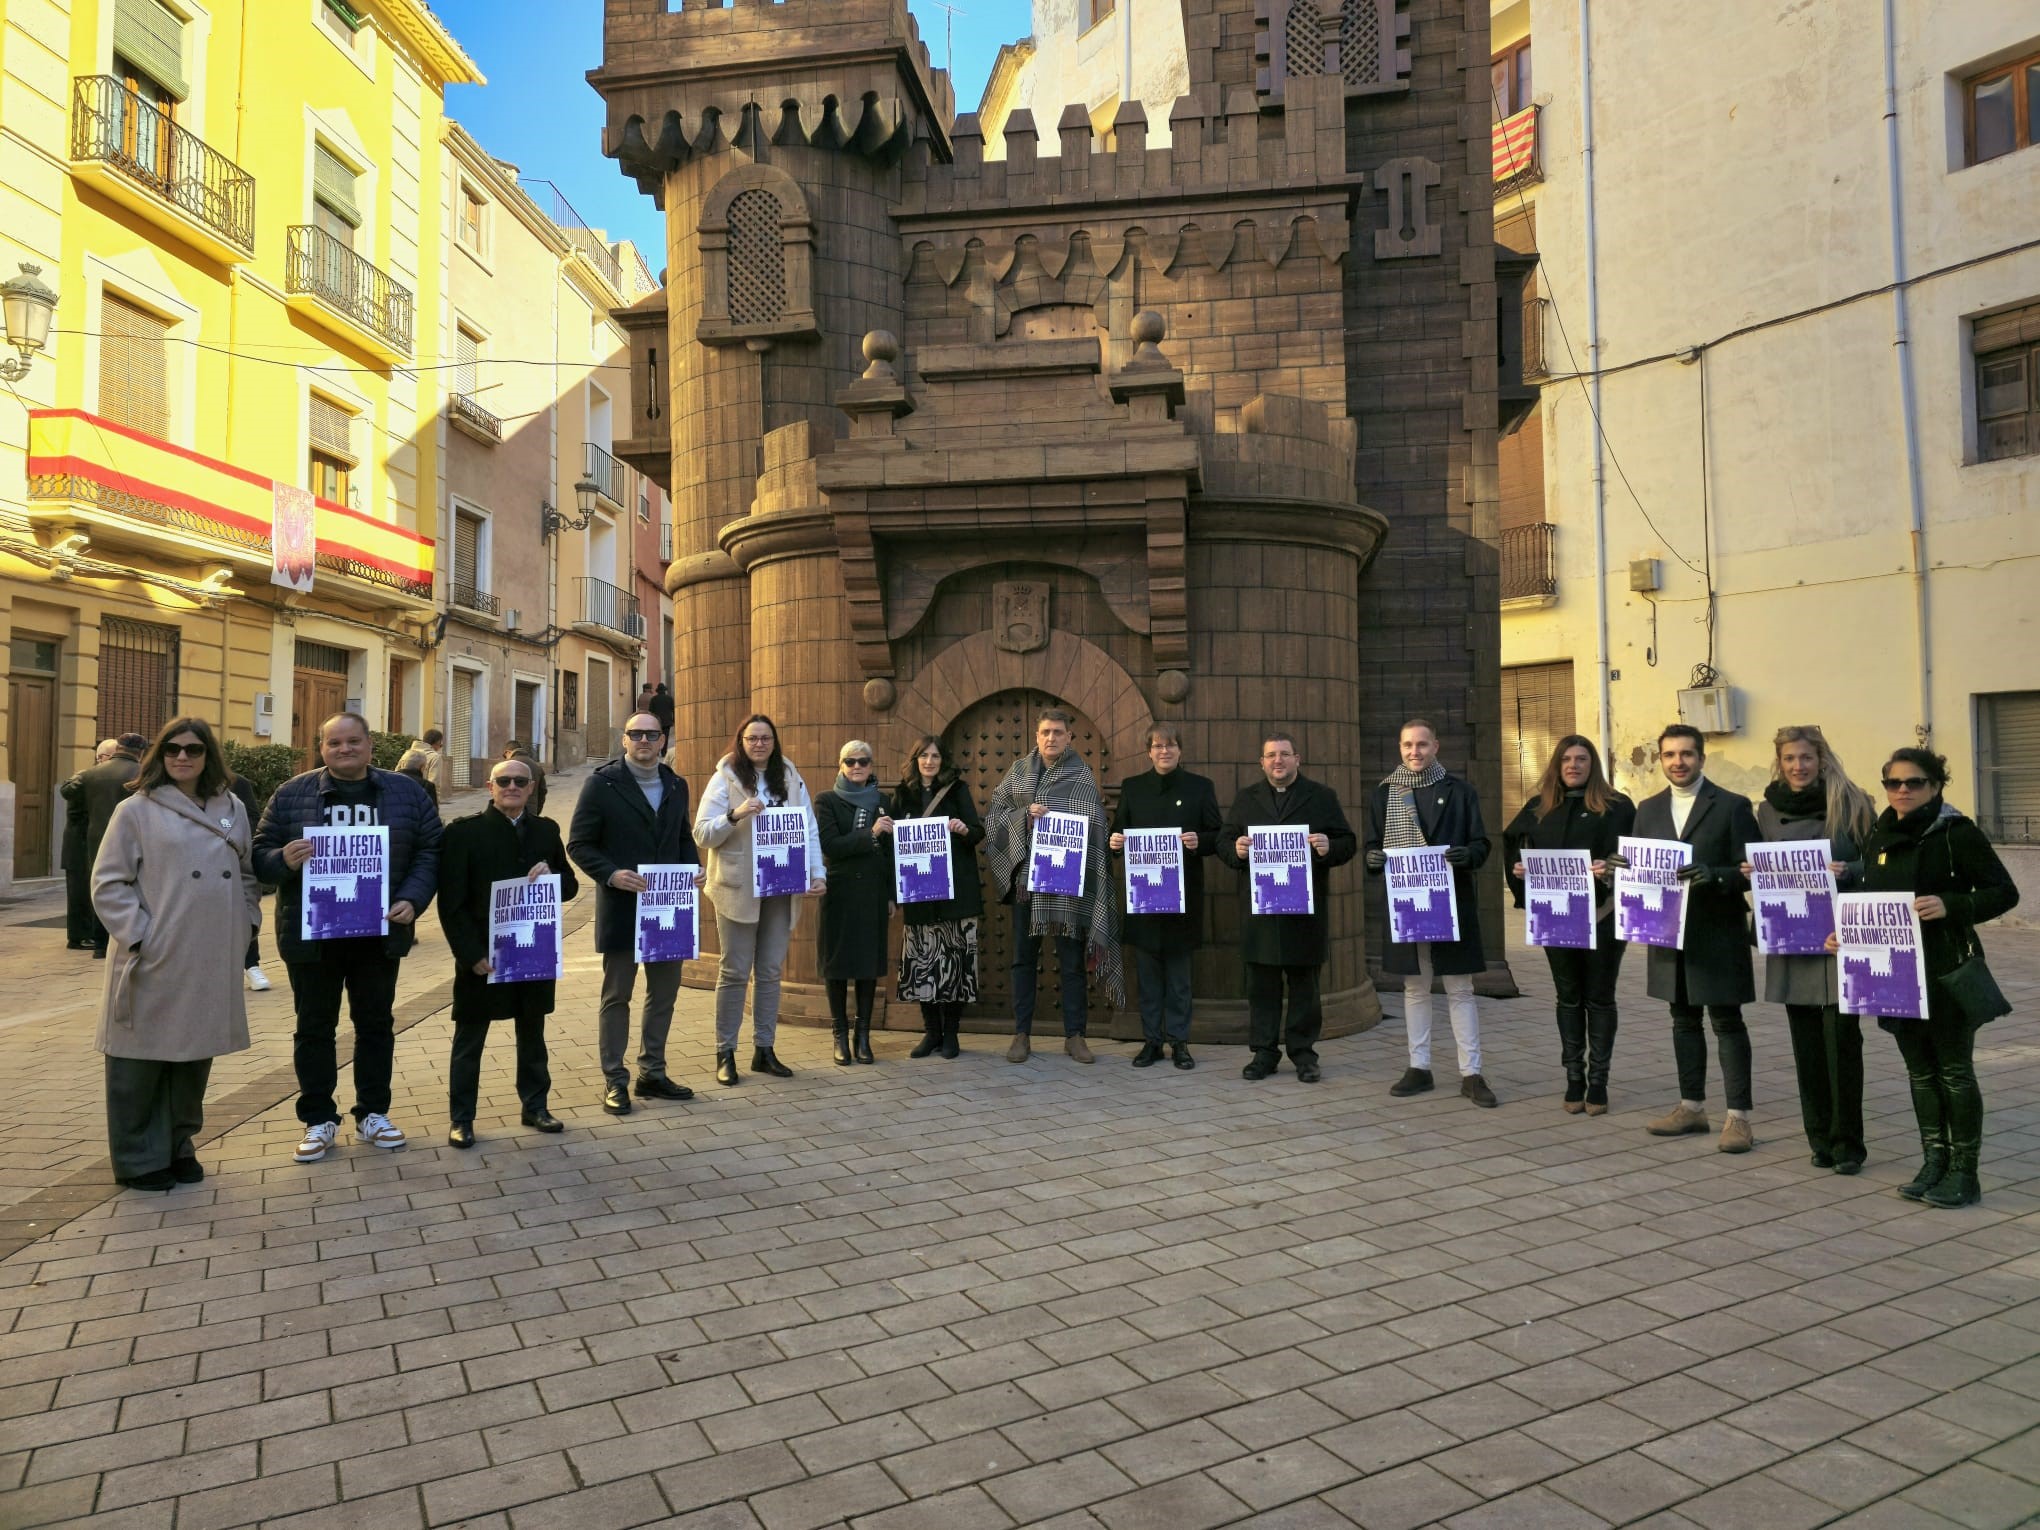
[757,252]
[1364,43]
[1359,42]
[134,367]
[138,664]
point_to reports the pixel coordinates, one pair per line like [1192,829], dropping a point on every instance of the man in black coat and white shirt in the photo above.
[1713,968]
[633,812]
[1286,949]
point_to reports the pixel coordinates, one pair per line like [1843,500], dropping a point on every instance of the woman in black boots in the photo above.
[1576,809]
[938,946]
[856,835]
[1923,846]
[1812,797]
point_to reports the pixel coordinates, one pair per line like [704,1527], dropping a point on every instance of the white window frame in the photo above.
[465,189]
[365,475]
[338,136]
[358,48]
[180,364]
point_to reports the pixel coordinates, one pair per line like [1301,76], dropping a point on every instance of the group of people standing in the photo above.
[173,1001]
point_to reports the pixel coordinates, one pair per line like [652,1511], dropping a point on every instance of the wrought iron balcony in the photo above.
[554,204]
[372,306]
[471,419]
[608,475]
[1536,318]
[416,585]
[471,598]
[1529,569]
[604,605]
[132,150]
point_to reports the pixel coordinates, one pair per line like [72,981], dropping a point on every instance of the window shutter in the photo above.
[467,357]
[333,429]
[2010,729]
[333,184]
[467,535]
[133,367]
[2019,326]
[346,15]
[151,39]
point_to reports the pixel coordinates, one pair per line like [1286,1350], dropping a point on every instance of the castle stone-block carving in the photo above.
[1195,428]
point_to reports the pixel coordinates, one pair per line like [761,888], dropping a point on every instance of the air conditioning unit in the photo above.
[512,619]
[1710,708]
[265,714]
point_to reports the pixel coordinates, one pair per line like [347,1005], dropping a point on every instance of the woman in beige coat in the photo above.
[176,890]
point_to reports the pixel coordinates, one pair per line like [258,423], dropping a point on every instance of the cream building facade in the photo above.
[1096,54]
[1815,493]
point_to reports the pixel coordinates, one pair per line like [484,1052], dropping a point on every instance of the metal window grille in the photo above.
[757,268]
[134,367]
[324,658]
[138,665]
[332,428]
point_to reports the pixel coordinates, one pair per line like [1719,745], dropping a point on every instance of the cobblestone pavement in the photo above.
[967,1295]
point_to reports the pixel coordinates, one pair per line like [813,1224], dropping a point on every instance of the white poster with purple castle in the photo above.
[1423,905]
[668,914]
[525,939]
[1792,885]
[1278,866]
[1154,871]
[1558,893]
[1884,970]
[922,869]
[1650,900]
[1061,843]
[347,884]
[779,846]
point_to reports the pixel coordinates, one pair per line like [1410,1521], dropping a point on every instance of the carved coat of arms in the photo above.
[1020,616]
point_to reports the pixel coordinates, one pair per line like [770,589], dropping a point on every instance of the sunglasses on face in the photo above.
[184,751]
[1905,783]
[862,759]
[642,735]
[517,781]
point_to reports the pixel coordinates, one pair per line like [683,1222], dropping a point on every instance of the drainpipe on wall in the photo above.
[1601,679]
[1901,341]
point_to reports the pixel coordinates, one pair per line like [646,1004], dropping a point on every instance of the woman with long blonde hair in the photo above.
[1812,797]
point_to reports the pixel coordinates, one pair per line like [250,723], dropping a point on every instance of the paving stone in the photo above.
[1502,1463]
[1280,1473]
[1192,1502]
[1623,1487]
[847,1494]
[1040,1491]
[1410,1495]
[1976,1496]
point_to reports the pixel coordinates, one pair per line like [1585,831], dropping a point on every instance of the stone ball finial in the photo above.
[879,694]
[881,350]
[1148,329]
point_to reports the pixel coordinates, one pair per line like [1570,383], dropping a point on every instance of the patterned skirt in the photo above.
[938,963]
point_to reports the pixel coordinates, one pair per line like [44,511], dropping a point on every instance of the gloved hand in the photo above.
[1693,874]
[1616,862]
[1376,859]
[1459,855]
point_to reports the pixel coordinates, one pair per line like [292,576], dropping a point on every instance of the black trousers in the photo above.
[1164,994]
[464,1073]
[1940,1065]
[153,1112]
[1269,1032]
[1827,1054]
[1584,982]
[81,925]
[359,971]
[1731,1040]
[1069,956]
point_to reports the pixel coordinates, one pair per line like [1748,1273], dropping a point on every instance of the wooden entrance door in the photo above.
[597,705]
[983,743]
[32,731]
[1537,711]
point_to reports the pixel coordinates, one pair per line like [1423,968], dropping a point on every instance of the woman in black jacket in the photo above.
[856,834]
[938,945]
[1576,809]
[1923,846]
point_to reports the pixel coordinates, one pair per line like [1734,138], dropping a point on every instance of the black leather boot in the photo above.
[1572,1055]
[860,1042]
[1600,1051]
[1959,1186]
[765,1060]
[931,1032]
[952,1018]
[726,1067]
[842,1031]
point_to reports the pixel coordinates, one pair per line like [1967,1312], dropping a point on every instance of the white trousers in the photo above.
[1459,1000]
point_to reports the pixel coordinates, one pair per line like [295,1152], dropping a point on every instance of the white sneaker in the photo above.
[318,1142]
[378,1131]
[258,982]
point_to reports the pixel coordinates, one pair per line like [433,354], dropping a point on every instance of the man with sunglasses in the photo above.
[633,812]
[504,841]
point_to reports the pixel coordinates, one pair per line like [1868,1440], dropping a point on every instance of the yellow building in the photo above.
[240,211]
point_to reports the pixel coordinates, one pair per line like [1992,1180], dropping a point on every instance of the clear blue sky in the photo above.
[539,112]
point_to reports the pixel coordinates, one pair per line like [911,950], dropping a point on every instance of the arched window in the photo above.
[757,254]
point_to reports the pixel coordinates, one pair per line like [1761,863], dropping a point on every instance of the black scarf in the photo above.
[1802,802]
[1911,825]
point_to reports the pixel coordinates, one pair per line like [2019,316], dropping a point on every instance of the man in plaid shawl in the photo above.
[1053,778]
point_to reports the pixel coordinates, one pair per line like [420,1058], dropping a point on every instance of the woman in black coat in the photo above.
[1576,809]
[1167,797]
[1923,846]
[499,844]
[856,835]
[938,944]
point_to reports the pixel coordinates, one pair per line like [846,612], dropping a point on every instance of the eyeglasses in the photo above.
[184,751]
[643,735]
[510,780]
[862,759]
[1905,783]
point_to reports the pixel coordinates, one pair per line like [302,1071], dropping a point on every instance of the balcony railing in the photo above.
[470,418]
[1529,571]
[369,573]
[553,203]
[470,597]
[111,125]
[365,295]
[604,605]
[608,475]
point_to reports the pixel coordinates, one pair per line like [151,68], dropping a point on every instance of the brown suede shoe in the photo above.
[1017,1052]
[1678,1122]
[1575,1107]
[1078,1049]
[1735,1135]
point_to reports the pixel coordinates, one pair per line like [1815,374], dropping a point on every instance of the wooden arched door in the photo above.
[983,742]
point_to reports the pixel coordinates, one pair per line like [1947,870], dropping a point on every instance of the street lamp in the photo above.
[29,306]
[552,522]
